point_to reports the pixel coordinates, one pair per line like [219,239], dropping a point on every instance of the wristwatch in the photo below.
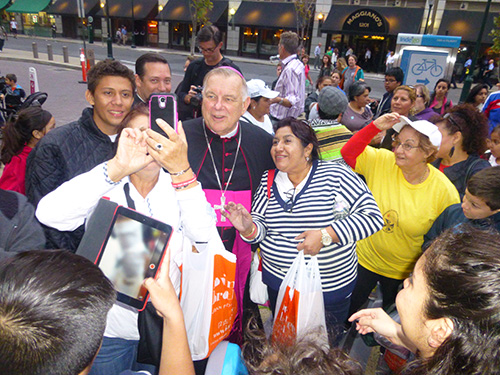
[326,239]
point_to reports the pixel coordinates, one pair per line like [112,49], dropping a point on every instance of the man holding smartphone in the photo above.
[152,75]
[209,40]
[76,148]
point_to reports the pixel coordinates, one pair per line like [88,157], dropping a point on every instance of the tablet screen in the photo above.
[132,253]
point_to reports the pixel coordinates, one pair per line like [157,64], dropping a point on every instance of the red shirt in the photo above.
[13,176]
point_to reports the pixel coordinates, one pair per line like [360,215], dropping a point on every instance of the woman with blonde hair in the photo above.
[422,101]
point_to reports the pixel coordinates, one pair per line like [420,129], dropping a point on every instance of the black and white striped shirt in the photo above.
[313,208]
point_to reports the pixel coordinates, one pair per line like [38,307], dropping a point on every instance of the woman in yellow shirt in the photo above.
[410,193]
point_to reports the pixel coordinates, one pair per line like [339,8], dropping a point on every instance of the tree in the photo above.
[305,12]
[495,33]
[199,10]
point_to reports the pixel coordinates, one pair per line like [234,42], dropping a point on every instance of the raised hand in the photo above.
[375,320]
[131,155]
[387,121]
[171,152]
[239,217]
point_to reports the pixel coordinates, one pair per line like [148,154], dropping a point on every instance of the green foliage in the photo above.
[305,13]
[495,33]
[199,10]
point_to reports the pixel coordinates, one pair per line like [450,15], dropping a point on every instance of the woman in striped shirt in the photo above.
[318,207]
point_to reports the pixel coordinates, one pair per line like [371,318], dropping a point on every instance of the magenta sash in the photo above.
[213,197]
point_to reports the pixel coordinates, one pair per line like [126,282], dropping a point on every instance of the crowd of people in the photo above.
[400,194]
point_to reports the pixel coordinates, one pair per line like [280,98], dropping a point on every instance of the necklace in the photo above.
[222,191]
[422,179]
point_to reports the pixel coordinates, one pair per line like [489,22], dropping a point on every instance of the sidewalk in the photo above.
[74,61]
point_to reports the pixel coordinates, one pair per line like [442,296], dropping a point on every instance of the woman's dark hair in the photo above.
[303,132]
[329,63]
[137,110]
[471,98]
[433,95]
[321,80]
[485,185]
[305,356]
[472,124]
[462,273]
[19,132]
[356,89]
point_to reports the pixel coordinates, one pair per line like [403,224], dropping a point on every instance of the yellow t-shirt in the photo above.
[408,210]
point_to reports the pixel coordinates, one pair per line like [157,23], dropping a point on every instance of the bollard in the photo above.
[84,68]
[49,52]
[90,58]
[35,50]
[65,54]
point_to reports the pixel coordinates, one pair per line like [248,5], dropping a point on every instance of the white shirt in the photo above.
[187,211]
[267,125]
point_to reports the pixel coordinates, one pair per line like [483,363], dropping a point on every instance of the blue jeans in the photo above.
[117,355]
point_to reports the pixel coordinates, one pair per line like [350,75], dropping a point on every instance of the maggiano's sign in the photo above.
[366,20]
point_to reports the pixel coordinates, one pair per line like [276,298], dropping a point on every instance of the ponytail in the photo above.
[18,133]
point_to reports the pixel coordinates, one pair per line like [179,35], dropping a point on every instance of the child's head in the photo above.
[482,196]
[494,142]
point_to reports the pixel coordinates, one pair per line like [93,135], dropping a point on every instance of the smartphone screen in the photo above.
[133,251]
[162,106]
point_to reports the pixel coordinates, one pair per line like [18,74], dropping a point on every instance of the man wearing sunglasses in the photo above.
[209,40]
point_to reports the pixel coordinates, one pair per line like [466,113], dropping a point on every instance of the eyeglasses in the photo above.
[390,80]
[290,201]
[448,117]
[406,146]
[206,50]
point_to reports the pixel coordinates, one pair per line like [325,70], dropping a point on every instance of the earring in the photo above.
[307,158]
[451,151]
[253,107]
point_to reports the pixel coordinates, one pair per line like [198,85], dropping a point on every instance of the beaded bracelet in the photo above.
[106,177]
[184,184]
[181,172]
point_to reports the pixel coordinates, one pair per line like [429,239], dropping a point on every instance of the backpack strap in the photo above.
[270,179]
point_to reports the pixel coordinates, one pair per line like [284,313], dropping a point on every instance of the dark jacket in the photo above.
[460,173]
[62,154]
[19,230]
[453,216]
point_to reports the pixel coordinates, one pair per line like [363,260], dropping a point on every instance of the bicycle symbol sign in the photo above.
[429,65]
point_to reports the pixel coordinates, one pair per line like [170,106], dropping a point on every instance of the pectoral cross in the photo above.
[221,207]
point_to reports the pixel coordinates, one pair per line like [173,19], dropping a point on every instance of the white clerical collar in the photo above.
[231,133]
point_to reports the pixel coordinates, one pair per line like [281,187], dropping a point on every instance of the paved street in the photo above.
[66,95]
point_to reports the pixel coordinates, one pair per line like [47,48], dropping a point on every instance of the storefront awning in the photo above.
[69,7]
[466,24]
[397,19]
[178,11]
[28,6]
[264,14]
[143,9]
[4,3]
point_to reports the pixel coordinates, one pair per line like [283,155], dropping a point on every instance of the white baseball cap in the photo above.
[257,87]
[422,126]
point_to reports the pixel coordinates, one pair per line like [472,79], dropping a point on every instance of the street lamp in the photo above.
[133,26]
[232,12]
[109,41]
[431,3]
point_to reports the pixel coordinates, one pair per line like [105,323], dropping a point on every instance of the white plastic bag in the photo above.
[300,308]
[207,297]
[258,290]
